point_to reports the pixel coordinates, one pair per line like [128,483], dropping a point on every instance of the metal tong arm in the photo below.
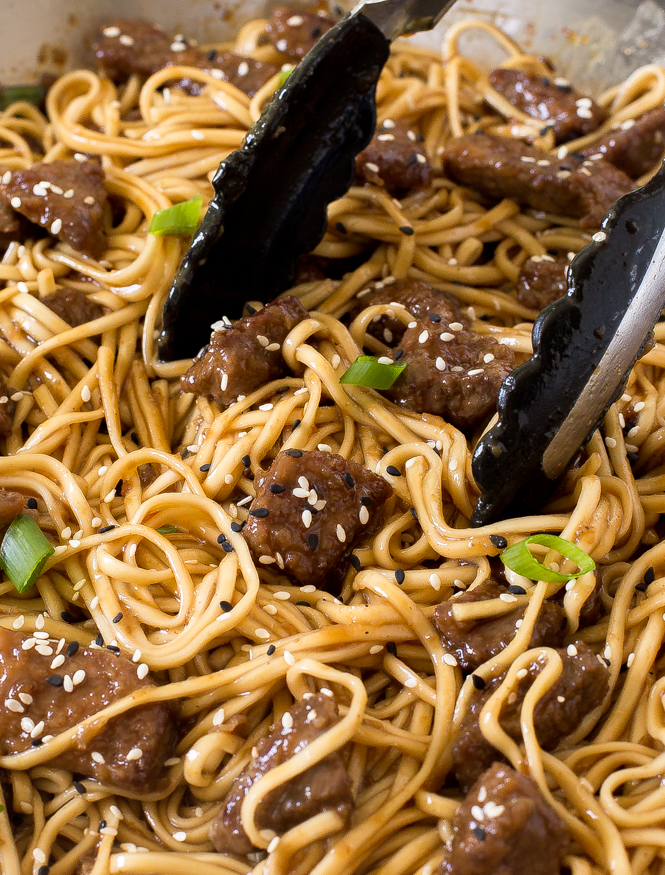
[585,345]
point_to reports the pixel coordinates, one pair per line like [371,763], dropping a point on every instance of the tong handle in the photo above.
[585,345]
[271,195]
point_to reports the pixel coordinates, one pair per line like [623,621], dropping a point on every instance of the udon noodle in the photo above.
[94,404]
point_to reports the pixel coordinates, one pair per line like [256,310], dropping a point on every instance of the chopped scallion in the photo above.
[368,371]
[167,530]
[33,94]
[284,74]
[520,559]
[181,218]
[23,552]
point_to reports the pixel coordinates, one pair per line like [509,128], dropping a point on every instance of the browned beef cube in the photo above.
[475,642]
[394,159]
[73,306]
[518,833]
[452,372]
[634,148]
[66,198]
[9,224]
[419,298]
[7,408]
[569,113]
[246,74]
[294,32]
[240,359]
[580,688]
[501,167]
[11,505]
[309,509]
[541,282]
[104,753]
[324,786]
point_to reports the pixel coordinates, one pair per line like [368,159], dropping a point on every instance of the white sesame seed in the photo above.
[639,406]
[376,648]
[58,661]
[543,163]
[44,650]
[294,21]
[583,112]
[435,581]
[625,126]
[281,45]
[475,372]
[110,496]
[630,660]
[477,812]
[456,326]
[410,682]
[37,729]
[27,725]
[26,698]
[363,516]
[126,39]
[18,622]
[41,635]
[142,671]
[262,633]
[571,650]
[39,855]
[610,442]
[507,597]
[180,836]
[289,658]
[198,135]
[528,159]
[282,595]
[94,602]
[68,684]
[16,202]
[13,705]
[488,358]
[422,337]
[307,518]
[56,226]
[373,168]
[446,336]
[89,200]
[341,534]
[287,720]
[28,644]
[599,237]
[79,677]
[421,159]
[85,394]
[449,659]
[267,560]
[243,68]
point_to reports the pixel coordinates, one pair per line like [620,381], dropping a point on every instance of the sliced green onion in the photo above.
[520,559]
[179,219]
[24,551]
[284,74]
[167,530]
[33,94]
[367,370]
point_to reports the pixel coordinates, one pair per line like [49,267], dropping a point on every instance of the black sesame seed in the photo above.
[391,647]
[251,310]
[113,648]
[434,317]
[37,742]
[295,454]
[304,604]
[296,423]
[102,824]
[106,529]
[407,230]
[55,680]
[79,787]
[277,488]
[238,527]
[117,617]
[414,513]
[339,226]
[260,512]
[398,354]
[355,562]
[32,503]
[606,661]
[271,650]
[633,458]
[316,33]
[565,88]
[246,461]
[399,576]
[43,870]
[349,479]
[67,617]
[99,641]
[642,587]
[499,541]
[227,547]
[226,606]
[479,833]
[649,576]
[366,501]
[212,54]
[313,541]
[411,160]
[478,682]
[72,648]
[623,668]
[221,538]
[205,468]
[515,589]
[184,454]
[393,471]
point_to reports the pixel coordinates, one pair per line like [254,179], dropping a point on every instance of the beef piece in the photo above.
[394,159]
[569,113]
[582,686]
[519,834]
[635,149]
[7,409]
[541,282]
[147,475]
[324,786]
[419,298]
[294,32]
[240,359]
[9,223]
[135,46]
[65,197]
[592,608]
[475,642]
[452,372]
[108,677]
[501,167]
[11,505]
[73,306]
[311,525]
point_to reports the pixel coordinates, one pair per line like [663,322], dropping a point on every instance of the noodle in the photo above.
[94,406]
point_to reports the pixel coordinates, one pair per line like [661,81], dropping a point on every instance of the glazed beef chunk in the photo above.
[11,505]
[9,223]
[73,306]
[475,642]
[541,282]
[309,509]
[394,159]
[500,167]
[135,46]
[505,827]
[243,357]
[7,409]
[67,198]
[294,32]
[419,298]
[325,786]
[569,113]
[580,688]
[451,370]
[25,668]
[637,147]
